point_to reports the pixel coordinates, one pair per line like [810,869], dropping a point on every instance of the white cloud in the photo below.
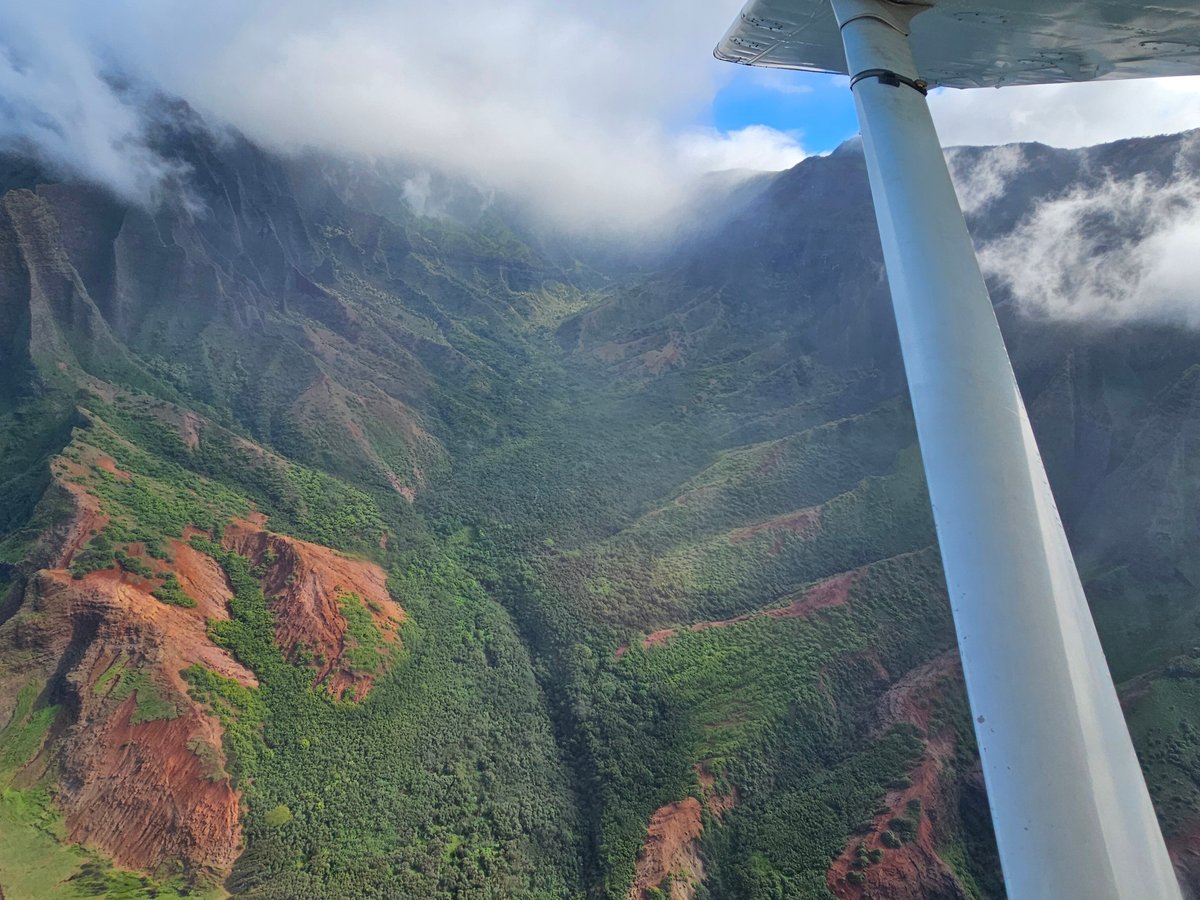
[55,101]
[1067,115]
[755,148]
[1123,251]
[579,106]
[784,81]
[585,108]
[984,178]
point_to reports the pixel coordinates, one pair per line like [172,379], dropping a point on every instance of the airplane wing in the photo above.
[1072,814]
[988,43]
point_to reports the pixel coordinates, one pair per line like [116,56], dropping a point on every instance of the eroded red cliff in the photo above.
[312,591]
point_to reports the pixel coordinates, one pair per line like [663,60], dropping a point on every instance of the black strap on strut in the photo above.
[892,79]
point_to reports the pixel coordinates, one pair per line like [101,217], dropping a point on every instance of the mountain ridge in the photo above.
[579,546]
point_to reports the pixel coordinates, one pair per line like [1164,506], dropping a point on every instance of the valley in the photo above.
[347,552]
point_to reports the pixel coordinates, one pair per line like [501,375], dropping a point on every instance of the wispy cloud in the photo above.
[984,178]
[755,148]
[58,103]
[586,110]
[582,108]
[1067,115]
[1122,251]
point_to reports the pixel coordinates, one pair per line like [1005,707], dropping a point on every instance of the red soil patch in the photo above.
[825,594]
[86,520]
[658,361]
[833,591]
[179,635]
[304,584]
[202,580]
[657,638]
[147,797]
[913,870]
[109,465]
[146,794]
[805,523]
[910,699]
[156,793]
[189,429]
[714,801]
[670,848]
[399,486]
[141,793]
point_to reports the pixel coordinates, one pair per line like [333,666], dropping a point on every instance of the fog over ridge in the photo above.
[1120,250]
[557,104]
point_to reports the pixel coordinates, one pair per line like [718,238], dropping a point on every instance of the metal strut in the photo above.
[891,79]
[1072,815]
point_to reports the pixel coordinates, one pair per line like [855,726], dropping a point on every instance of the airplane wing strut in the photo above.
[1071,811]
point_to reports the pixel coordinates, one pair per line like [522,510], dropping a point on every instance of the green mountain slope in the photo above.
[352,553]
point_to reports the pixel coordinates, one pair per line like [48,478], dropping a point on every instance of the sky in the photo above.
[593,113]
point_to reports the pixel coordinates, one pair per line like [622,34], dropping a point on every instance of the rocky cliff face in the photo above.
[110,631]
[312,592]
[139,765]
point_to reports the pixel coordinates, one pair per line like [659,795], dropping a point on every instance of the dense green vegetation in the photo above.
[554,460]
[431,787]
[150,704]
[172,593]
[507,750]
[1166,727]
[365,645]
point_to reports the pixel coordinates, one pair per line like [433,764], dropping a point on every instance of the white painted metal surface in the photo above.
[1072,815]
[985,43]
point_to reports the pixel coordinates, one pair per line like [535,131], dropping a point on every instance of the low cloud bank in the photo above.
[1067,115]
[580,109]
[1124,251]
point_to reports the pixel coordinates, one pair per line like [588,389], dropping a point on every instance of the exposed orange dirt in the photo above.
[657,638]
[670,849]
[86,520]
[804,523]
[139,763]
[913,871]
[715,802]
[109,465]
[148,797]
[656,362]
[306,584]
[146,793]
[831,592]
[201,578]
